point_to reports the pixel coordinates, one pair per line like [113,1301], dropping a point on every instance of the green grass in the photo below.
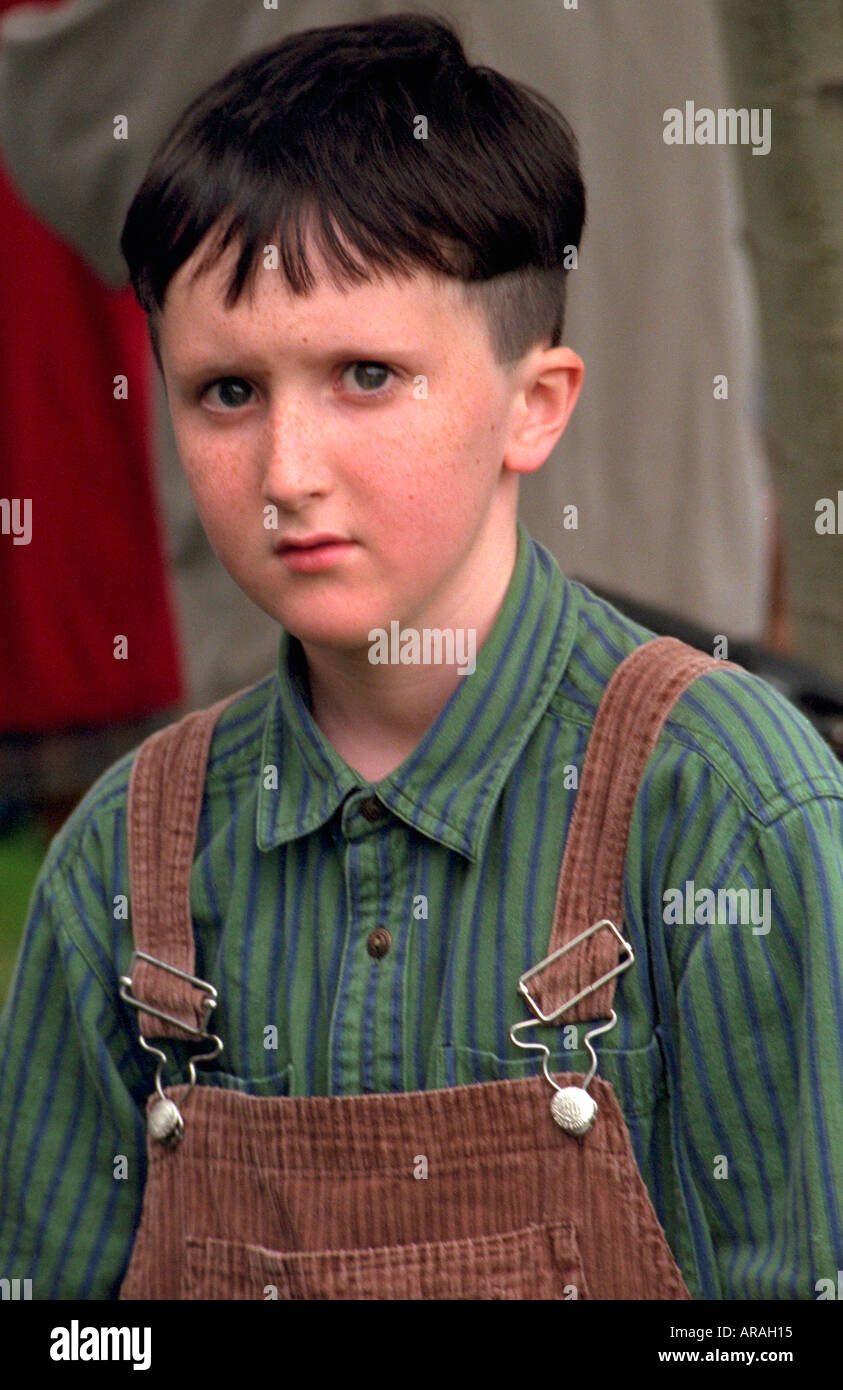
[21,855]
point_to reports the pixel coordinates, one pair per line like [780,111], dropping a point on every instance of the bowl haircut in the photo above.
[319,136]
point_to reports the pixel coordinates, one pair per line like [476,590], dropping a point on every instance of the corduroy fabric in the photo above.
[165,798]
[635,704]
[318,1197]
[465,1192]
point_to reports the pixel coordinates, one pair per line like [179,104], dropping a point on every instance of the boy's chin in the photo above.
[337,632]
[345,623]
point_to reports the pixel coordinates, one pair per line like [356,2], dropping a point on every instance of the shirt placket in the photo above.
[359,1029]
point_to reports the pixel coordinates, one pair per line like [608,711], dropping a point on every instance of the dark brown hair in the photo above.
[320,132]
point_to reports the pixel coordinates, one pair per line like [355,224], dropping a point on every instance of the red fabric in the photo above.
[95,568]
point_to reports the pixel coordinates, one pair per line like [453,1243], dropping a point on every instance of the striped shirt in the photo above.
[727,1058]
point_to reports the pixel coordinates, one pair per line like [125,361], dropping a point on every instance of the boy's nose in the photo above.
[292,465]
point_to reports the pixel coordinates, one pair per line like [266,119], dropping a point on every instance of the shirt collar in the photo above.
[448,786]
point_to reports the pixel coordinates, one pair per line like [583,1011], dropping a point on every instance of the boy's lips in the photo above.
[307,542]
[310,553]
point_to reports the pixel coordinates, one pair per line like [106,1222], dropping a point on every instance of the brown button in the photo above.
[372,809]
[378,942]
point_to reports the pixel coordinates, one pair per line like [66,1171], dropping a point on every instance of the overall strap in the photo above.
[165,798]
[635,705]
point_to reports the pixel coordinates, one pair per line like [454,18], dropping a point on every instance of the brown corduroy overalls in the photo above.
[319,1197]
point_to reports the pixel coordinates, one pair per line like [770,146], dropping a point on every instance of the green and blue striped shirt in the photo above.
[727,1058]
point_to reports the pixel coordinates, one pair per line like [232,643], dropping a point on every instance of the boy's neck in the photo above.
[375,715]
[375,718]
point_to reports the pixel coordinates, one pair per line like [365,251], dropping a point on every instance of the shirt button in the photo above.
[371,808]
[378,943]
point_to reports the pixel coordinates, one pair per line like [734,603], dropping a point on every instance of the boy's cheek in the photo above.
[230,516]
[218,479]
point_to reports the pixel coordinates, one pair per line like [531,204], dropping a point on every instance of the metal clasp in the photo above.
[171,1129]
[542,1017]
[548,960]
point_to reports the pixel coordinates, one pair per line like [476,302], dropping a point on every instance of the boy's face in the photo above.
[376,414]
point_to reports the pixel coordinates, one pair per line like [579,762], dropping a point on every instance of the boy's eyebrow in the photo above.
[223,365]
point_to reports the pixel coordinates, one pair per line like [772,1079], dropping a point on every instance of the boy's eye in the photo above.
[232,391]
[369,376]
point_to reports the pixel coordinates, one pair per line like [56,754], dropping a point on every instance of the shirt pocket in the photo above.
[540,1261]
[280,1083]
[636,1075]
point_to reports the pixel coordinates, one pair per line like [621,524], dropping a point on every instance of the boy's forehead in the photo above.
[419,304]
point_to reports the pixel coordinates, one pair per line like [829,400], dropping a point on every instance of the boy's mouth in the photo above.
[308,542]
[308,553]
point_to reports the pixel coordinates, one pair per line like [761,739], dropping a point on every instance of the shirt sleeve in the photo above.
[72,1148]
[758,1128]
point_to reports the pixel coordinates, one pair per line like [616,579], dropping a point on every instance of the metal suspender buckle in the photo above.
[548,960]
[208,1004]
[165,1122]
[572,1107]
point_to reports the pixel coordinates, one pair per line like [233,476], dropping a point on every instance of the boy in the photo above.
[379,842]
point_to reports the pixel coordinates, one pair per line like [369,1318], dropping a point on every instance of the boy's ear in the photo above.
[547,385]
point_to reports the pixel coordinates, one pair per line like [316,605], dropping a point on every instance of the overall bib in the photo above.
[319,1197]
